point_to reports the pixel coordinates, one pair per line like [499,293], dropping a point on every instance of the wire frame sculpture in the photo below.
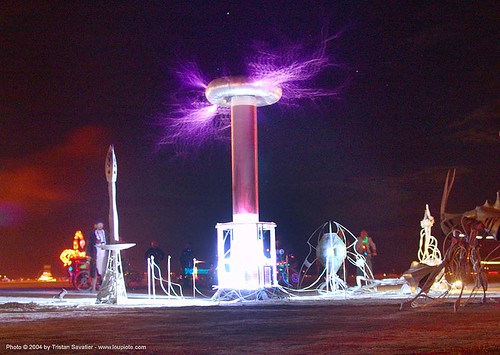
[428,252]
[331,247]
[461,264]
[155,274]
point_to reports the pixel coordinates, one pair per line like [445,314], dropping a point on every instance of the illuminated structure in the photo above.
[46,275]
[246,247]
[461,261]
[113,286]
[78,251]
[332,252]
[428,252]
[429,257]
[331,247]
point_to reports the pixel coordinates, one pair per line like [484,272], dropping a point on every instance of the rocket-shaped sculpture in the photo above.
[113,285]
[111,174]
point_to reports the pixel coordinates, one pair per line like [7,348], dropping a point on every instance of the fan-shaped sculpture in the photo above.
[331,251]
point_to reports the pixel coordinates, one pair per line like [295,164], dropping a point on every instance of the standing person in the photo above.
[156,252]
[96,255]
[187,263]
[366,247]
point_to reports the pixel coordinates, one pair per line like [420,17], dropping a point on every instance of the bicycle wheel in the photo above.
[83,281]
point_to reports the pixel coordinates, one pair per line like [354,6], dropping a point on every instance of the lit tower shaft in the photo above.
[244,159]
[246,247]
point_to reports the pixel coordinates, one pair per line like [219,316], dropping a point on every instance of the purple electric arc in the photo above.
[246,247]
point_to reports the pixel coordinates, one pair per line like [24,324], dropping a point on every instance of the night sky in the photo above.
[417,95]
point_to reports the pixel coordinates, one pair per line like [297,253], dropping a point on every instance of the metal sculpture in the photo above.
[113,285]
[488,214]
[330,246]
[246,247]
[461,264]
[429,257]
[428,252]
[155,274]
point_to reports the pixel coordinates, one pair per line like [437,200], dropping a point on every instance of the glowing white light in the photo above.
[244,262]
[245,218]
[457,284]
[428,252]
[490,262]
[47,277]
[220,91]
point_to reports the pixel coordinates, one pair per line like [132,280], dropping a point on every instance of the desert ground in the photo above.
[34,321]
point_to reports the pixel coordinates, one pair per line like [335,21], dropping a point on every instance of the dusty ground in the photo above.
[291,327]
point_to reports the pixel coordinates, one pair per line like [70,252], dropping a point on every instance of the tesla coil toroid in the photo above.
[221,91]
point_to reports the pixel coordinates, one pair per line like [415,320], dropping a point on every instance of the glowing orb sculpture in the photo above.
[331,252]
[246,247]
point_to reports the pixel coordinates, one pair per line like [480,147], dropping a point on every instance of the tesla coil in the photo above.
[246,246]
